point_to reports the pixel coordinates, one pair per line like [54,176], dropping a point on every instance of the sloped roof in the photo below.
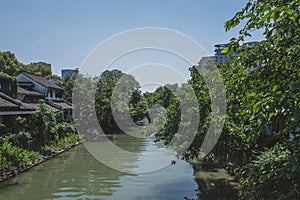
[36,106]
[29,93]
[29,106]
[43,81]
[61,105]
[9,104]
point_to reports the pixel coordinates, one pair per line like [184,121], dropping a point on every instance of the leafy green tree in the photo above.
[138,106]
[68,84]
[54,76]
[44,121]
[120,91]
[263,87]
[148,96]
[260,140]
[274,174]
[163,94]
[39,68]
[42,127]
[11,66]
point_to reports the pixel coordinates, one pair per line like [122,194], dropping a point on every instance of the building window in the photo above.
[50,93]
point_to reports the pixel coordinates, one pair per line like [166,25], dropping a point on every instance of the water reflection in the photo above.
[78,175]
[214,182]
[130,154]
[72,175]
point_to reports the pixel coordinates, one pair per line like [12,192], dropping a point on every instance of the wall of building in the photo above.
[37,87]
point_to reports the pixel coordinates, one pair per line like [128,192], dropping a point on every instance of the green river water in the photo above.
[76,174]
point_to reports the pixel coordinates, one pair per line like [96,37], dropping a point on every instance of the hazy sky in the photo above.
[63,32]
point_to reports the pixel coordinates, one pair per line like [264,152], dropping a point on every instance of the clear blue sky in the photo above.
[63,32]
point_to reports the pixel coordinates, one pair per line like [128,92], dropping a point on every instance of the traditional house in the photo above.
[33,87]
[41,85]
[65,107]
[10,108]
[29,96]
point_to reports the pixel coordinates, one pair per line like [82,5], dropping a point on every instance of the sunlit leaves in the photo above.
[263,104]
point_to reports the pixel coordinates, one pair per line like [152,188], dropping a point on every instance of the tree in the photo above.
[68,84]
[39,68]
[117,97]
[263,83]
[260,140]
[11,66]
[163,94]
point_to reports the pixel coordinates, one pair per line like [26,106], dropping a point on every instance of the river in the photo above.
[76,174]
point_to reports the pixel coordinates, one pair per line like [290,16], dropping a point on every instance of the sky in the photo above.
[63,32]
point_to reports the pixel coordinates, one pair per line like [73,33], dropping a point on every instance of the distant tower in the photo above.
[221,57]
[65,72]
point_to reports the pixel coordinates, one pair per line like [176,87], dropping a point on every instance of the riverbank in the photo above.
[42,158]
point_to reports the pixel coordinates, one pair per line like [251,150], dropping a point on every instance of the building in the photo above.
[41,85]
[29,96]
[11,106]
[9,109]
[222,57]
[33,87]
[66,72]
[66,107]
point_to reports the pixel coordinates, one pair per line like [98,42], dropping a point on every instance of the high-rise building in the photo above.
[222,57]
[65,72]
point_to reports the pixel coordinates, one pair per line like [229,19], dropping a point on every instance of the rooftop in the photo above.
[30,93]
[61,105]
[9,104]
[43,81]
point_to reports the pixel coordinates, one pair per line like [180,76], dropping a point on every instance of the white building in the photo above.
[42,85]
[53,93]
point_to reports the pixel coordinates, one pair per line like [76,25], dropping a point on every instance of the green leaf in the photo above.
[275,88]
[225,50]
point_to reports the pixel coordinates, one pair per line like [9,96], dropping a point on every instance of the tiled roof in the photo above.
[29,106]
[9,104]
[30,93]
[41,80]
[61,105]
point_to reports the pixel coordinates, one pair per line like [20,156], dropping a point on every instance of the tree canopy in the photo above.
[11,66]
[260,140]
[118,97]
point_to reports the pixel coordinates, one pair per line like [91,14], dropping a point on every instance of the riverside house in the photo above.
[33,87]
[9,106]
